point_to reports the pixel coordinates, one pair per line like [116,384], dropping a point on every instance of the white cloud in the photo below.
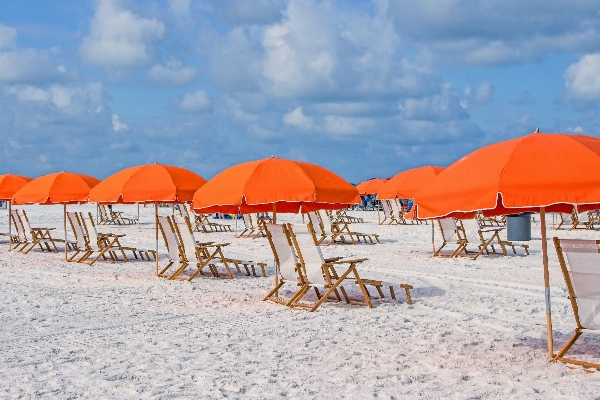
[181,10]
[8,37]
[483,93]
[298,119]
[300,52]
[31,93]
[476,33]
[195,101]
[26,65]
[173,74]
[338,125]
[582,79]
[117,125]
[119,38]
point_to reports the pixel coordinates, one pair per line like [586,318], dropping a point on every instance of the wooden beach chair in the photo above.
[565,220]
[321,274]
[317,228]
[81,244]
[470,233]
[584,220]
[336,230]
[580,265]
[449,233]
[307,252]
[35,236]
[174,248]
[248,227]
[388,213]
[101,244]
[288,269]
[22,239]
[344,228]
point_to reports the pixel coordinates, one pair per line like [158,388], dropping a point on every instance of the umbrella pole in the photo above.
[65,227]
[156,234]
[138,204]
[432,238]
[546,282]
[275,276]
[9,226]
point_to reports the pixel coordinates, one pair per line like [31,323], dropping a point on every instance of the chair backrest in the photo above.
[310,255]
[171,241]
[448,228]
[103,213]
[247,221]
[471,230]
[90,228]
[26,227]
[17,221]
[582,275]
[387,211]
[316,224]
[566,218]
[326,222]
[583,218]
[77,230]
[283,252]
[395,207]
[184,211]
[187,238]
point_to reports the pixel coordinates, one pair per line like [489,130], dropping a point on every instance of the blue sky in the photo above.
[364,88]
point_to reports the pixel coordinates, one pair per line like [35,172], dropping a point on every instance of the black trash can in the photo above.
[518,227]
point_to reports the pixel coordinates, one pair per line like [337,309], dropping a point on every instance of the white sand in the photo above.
[114,330]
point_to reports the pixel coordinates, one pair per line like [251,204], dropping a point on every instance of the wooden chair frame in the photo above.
[573,299]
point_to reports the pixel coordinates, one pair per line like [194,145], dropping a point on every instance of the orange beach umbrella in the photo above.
[9,185]
[407,183]
[151,183]
[538,172]
[274,184]
[57,188]
[371,186]
[148,184]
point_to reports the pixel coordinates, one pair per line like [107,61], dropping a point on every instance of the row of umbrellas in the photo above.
[539,173]
[265,185]
[403,186]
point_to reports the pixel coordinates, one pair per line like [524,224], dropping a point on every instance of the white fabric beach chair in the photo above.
[470,233]
[317,226]
[176,254]
[388,214]
[247,264]
[581,270]
[336,230]
[81,245]
[21,237]
[321,274]
[33,239]
[309,253]
[286,263]
[449,233]
[397,212]
[248,227]
[100,244]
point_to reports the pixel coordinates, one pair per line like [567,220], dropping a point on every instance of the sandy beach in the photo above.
[114,330]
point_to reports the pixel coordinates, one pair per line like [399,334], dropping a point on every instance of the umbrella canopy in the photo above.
[151,183]
[259,186]
[10,184]
[56,188]
[371,186]
[538,172]
[407,183]
[555,171]
[148,184]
